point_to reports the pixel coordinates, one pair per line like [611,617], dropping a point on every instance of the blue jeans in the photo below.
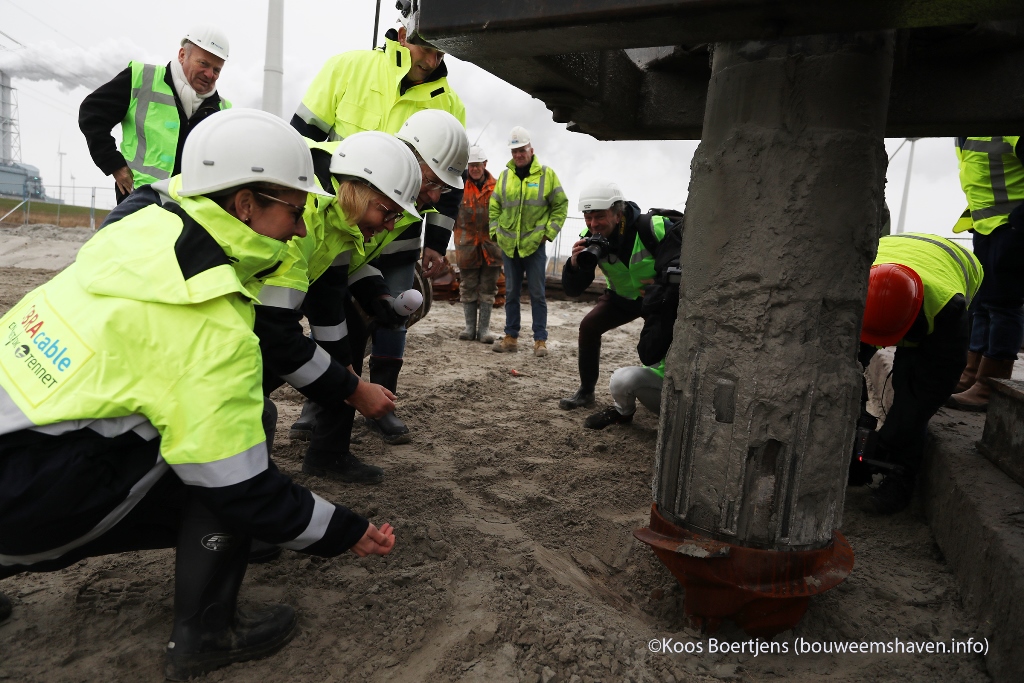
[997,312]
[533,267]
[391,343]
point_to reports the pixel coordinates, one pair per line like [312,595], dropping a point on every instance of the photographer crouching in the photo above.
[621,241]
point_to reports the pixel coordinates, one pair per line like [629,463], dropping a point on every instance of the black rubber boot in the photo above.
[261,552]
[209,630]
[583,398]
[345,466]
[302,429]
[5,607]
[384,371]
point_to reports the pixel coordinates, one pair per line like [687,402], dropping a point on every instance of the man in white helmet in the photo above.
[527,210]
[134,416]
[477,255]
[621,242]
[156,107]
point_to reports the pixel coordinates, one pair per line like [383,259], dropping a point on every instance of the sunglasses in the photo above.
[299,210]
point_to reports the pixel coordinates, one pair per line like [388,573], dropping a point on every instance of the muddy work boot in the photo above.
[344,466]
[209,629]
[483,329]
[607,417]
[5,607]
[583,398]
[976,398]
[540,348]
[507,344]
[470,310]
[970,373]
[302,429]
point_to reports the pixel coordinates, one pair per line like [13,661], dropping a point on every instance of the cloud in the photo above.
[70,66]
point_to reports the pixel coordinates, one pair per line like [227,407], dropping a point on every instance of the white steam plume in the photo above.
[71,66]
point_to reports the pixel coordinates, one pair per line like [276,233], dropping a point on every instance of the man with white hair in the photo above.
[527,209]
[156,106]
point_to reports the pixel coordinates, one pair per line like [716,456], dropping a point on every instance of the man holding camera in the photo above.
[622,242]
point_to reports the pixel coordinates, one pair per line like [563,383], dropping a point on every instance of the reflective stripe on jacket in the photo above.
[525,212]
[627,279]
[992,177]
[945,268]
[362,90]
[151,127]
[473,245]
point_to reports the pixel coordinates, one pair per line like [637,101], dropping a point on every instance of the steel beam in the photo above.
[525,28]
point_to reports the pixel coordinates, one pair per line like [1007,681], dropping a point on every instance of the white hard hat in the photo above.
[210,39]
[519,137]
[477,155]
[441,141]
[238,146]
[385,162]
[599,194]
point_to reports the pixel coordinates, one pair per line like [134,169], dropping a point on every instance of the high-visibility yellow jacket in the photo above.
[946,269]
[150,130]
[127,335]
[525,212]
[992,177]
[362,90]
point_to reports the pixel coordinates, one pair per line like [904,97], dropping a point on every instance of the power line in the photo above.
[44,99]
[15,40]
[46,24]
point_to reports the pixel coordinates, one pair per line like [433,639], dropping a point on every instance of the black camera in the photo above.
[597,248]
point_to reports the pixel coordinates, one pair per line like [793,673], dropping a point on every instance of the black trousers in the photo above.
[609,312]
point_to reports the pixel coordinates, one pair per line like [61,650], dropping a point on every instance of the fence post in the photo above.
[92,210]
[28,210]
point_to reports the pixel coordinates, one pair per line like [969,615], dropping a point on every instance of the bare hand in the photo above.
[434,264]
[124,180]
[375,541]
[577,247]
[372,400]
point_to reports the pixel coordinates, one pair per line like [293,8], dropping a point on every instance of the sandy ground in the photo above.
[514,562]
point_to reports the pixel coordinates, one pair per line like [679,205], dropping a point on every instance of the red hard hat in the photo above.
[895,294]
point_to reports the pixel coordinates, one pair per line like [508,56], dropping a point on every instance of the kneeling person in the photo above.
[146,426]
[621,242]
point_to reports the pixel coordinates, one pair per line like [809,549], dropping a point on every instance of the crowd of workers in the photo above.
[233,226]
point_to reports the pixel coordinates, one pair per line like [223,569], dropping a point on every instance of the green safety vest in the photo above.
[149,131]
[627,279]
[658,369]
[123,340]
[525,212]
[945,268]
[361,90]
[992,177]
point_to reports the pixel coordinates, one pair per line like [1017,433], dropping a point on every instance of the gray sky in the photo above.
[89,42]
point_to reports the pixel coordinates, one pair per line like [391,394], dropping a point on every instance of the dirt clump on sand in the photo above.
[514,562]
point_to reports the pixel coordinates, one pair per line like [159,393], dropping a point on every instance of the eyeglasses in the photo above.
[388,214]
[431,185]
[299,210]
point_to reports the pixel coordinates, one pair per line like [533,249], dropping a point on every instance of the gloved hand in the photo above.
[385,315]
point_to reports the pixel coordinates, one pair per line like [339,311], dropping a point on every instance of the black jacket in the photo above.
[107,106]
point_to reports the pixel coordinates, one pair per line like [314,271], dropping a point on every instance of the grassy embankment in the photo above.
[41,212]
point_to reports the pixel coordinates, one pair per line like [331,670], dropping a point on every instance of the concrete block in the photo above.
[976,514]
[1002,442]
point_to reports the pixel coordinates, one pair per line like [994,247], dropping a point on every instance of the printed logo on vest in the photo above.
[41,351]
